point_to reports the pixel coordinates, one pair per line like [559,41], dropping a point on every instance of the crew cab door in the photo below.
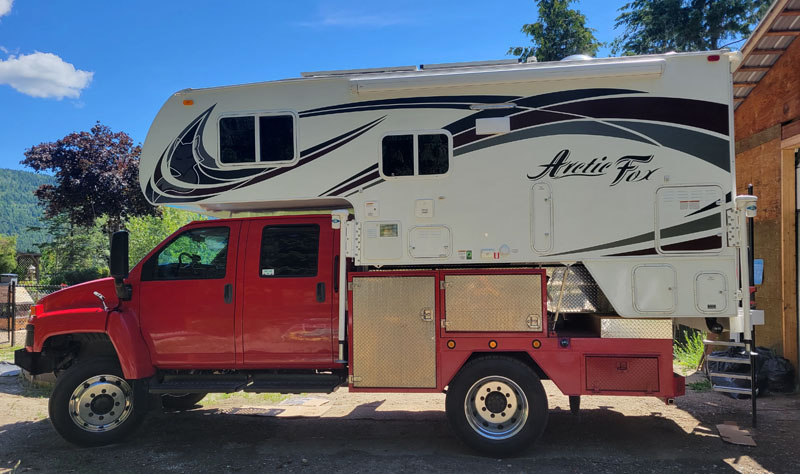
[287,293]
[187,298]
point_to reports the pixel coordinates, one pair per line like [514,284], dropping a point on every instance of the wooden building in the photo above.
[767,127]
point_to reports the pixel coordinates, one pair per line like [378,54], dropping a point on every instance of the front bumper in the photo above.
[34,362]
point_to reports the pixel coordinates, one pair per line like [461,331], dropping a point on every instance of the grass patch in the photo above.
[35,389]
[217,398]
[700,386]
[7,353]
[688,350]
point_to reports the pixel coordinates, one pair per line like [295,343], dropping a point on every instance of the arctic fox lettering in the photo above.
[627,168]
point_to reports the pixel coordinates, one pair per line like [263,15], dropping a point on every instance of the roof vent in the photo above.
[578,57]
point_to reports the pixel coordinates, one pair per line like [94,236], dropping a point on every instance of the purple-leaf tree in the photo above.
[96,174]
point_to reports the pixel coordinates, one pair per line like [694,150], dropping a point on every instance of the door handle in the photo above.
[228,293]
[321,292]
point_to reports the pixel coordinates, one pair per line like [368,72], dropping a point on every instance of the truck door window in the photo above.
[196,254]
[289,251]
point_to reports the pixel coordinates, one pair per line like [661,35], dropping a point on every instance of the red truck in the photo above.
[251,304]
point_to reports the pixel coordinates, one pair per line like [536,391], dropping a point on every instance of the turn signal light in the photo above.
[492,344]
[451,344]
[35,310]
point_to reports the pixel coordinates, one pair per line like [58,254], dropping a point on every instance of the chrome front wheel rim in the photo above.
[101,403]
[496,407]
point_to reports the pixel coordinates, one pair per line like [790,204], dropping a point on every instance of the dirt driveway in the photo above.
[409,433]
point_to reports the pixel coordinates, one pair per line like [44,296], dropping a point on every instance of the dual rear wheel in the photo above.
[497,405]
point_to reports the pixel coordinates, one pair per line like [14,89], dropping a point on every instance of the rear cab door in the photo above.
[288,299]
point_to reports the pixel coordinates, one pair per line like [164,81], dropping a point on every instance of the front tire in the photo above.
[93,404]
[497,405]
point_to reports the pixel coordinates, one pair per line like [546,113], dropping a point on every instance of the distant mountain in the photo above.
[19,208]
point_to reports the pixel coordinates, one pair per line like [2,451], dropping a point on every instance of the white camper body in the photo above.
[623,165]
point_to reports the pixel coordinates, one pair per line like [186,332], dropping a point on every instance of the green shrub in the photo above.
[689,348]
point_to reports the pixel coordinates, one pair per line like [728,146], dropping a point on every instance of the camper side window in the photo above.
[255,139]
[418,154]
[398,155]
[237,139]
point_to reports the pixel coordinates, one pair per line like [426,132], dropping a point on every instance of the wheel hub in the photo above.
[496,407]
[101,403]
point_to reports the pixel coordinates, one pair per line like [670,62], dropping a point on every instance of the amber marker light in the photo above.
[492,344]
[188,102]
[451,344]
[536,343]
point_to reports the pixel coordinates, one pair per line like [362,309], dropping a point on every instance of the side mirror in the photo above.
[118,264]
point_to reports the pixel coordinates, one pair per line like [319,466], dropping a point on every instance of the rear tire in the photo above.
[181,401]
[93,404]
[497,405]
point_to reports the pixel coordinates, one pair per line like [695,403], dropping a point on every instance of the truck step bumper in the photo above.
[294,383]
[204,383]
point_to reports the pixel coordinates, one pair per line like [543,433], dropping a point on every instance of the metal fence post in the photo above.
[12,295]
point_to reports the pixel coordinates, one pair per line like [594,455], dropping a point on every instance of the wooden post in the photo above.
[789,256]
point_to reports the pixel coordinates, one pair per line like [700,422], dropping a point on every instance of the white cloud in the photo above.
[5,7]
[43,75]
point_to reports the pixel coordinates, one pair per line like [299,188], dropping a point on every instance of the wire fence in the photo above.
[16,299]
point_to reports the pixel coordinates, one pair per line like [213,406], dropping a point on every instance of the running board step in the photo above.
[294,383]
[729,375]
[732,360]
[723,388]
[211,383]
[723,343]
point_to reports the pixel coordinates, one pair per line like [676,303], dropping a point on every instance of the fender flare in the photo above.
[134,357]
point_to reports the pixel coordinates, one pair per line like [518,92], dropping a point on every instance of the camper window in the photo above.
[433,154]
[237,139]
[250,139]
[398,155]
[276,137]
[415,154]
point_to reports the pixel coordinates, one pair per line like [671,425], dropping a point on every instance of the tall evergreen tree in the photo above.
[559,32]
[658,26]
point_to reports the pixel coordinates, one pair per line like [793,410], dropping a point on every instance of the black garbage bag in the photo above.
[763,356]
[779,374]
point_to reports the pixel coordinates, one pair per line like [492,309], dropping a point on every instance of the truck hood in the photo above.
[81,296]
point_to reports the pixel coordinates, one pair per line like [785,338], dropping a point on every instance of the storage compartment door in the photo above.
[394,332]
[622,374]
[541,218]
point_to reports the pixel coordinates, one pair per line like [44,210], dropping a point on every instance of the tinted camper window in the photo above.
[433,154]
[251,139]
[289,251]
[398,155]
[237,140]
[276,134]
[416,154]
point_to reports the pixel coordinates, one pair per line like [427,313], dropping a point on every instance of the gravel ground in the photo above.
[409,433]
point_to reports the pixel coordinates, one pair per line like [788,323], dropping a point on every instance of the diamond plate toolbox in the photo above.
[394,331]
[622,328]
[493,302]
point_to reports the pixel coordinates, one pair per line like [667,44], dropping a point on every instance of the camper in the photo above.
[468,228]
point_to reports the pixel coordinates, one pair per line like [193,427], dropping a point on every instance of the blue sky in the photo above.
[65,64]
